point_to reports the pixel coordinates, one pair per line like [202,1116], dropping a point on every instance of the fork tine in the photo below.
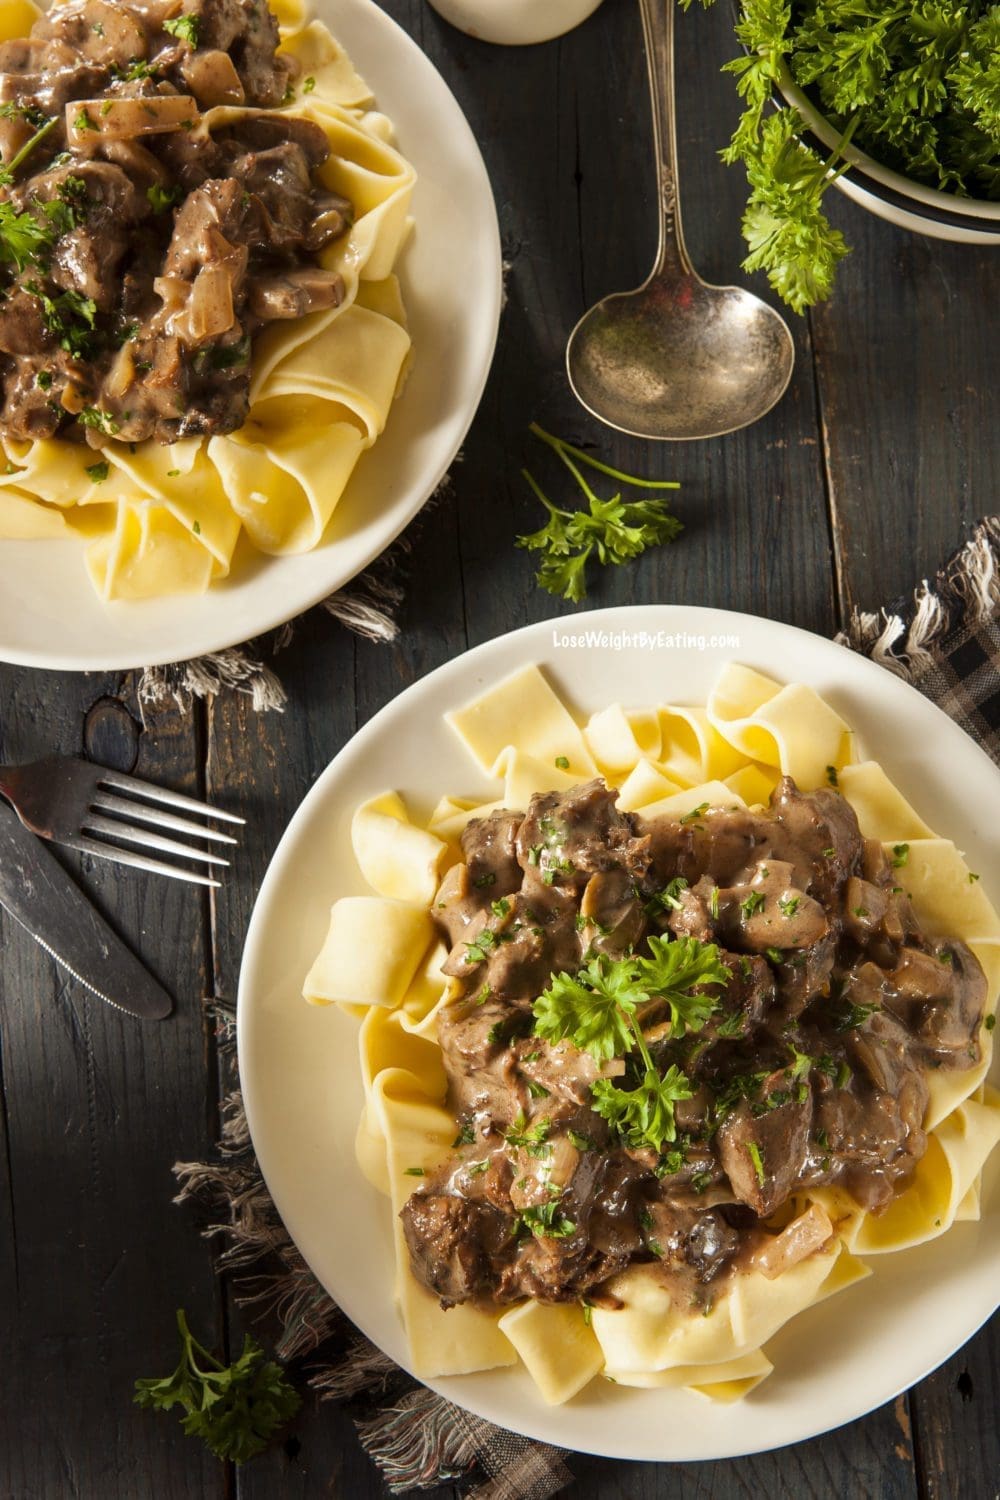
[118,781]
[139,861]
[141,812]
[147,840]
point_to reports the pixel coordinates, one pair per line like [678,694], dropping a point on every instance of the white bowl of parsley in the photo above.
[899,105]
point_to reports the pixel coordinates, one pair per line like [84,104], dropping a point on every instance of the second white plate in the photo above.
[451,275]
[299,1064]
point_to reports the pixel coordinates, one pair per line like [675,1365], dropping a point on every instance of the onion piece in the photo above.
[88,120]
[802,1237]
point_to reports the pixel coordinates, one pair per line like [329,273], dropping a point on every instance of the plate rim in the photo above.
[691,617]
[113,659]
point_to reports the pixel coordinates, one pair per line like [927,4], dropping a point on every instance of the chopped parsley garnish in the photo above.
[733,1025]
[162,198]
[414,1172]
[788,905]
[479,951]
[43,380]
[102,421]
[308,84]
[754,1153]
[829,853]
[990,1022]
[900,854]
[546,1221]
[483,880]
[713,903]
[973,877]
[196,527]
[775,955]
[465,1137]
[477,1168]
[534,1141]
[98,472]
[753,903]
[225,356]
[185,28]
[70,317]
[537,1090]
[562,763]
[831,775]
[669,897]
[695,813]
[847,1016]
[83,121]
[582,1142]
[501,907]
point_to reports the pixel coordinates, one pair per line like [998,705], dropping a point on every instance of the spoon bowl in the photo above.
[677,358]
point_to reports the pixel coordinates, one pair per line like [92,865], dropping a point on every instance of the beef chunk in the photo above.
[490,848]
[454,1244]
[763,1154]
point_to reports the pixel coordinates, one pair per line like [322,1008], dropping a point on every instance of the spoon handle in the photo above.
[658,29]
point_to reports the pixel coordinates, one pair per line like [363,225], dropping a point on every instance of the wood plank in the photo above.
[97,1108]
[906,376]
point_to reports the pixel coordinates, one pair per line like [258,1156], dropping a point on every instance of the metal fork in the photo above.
[87,807]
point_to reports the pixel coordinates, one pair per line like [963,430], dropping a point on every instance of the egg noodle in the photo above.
[382,959]
[168,516]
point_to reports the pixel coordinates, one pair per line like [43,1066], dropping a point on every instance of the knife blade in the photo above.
[38,893]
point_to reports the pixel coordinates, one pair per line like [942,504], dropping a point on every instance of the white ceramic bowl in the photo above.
[890,195]
[515,22]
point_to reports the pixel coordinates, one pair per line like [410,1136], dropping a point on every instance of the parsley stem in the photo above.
[560,446]
[7,171]
[829,175]
[553,510]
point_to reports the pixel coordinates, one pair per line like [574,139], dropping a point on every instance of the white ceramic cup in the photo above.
[515,22]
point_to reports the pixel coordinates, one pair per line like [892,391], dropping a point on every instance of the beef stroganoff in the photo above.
[665,1042]
[200,329]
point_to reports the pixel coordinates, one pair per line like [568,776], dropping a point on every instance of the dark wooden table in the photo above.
[863,480]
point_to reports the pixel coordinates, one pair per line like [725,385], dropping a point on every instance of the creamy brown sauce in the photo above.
[811,1071]
[140,251]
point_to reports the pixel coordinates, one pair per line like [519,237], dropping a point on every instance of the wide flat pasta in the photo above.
[680,762]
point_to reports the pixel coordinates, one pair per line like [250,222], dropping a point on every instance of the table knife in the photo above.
[39,894]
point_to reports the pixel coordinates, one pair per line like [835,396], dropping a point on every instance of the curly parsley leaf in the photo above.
[234,1408]
[611,531]
[678,972]
[917,82]
[643,1116]
[22,237]
[592,1008]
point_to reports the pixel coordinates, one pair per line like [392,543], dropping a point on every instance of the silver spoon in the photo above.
[677,358]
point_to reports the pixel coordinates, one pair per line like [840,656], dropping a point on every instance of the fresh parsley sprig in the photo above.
[917,82]
[597,1010]
[613,531]
[234,1408]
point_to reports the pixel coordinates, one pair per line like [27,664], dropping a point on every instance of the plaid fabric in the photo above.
[946,642]
[965,681]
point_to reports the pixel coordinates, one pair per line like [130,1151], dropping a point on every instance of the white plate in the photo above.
[299,1065]
[450,269]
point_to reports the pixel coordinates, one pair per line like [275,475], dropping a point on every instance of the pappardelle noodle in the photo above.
[666,1041]
[201,330]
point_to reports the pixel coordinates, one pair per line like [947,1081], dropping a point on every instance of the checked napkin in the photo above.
[945,640]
